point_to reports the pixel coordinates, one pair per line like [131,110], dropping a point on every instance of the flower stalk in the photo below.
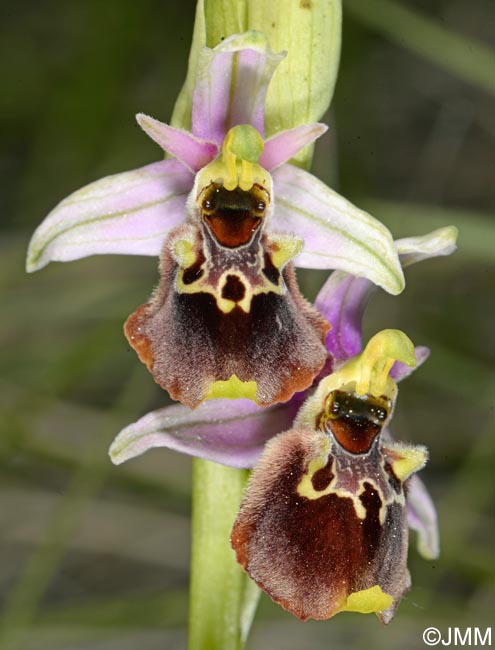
[222,598]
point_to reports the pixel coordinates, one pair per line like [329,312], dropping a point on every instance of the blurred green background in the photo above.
[95,556]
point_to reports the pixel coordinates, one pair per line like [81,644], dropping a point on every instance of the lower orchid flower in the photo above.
[228,216]
[322,527]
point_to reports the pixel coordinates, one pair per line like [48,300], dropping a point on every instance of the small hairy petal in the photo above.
[422,517]
[129,213]
[191,151]
[231,85]
[434,244]
[231,432]
[283,146]
[337,234]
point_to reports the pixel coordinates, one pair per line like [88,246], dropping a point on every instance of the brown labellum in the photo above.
[322,527]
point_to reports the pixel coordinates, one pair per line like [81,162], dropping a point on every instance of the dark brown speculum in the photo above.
[354,420]
[233,215]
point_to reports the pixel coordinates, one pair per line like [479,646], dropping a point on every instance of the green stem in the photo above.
[222,600]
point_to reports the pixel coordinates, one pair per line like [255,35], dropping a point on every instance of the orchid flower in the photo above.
[230,217]
[323,526]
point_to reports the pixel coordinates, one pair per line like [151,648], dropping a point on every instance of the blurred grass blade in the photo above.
[134,611]
[42,566]
[467,59]
[250,600]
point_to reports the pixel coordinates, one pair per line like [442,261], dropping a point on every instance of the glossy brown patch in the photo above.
[372,529]
[233,289]
[322,478]
[233,215]
[269,270]
[355,434]
[195,271]
[355,421]
[394,482]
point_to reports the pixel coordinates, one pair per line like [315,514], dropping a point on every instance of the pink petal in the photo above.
[337,234]
[191,151]
[231,432]
[342,300]
[129,213]
[283,146]
[231,86]
[422,517]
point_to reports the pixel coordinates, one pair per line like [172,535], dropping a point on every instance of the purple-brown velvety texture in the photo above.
[310,554]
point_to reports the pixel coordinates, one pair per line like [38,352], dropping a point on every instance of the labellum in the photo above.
[322,527]
[227,319]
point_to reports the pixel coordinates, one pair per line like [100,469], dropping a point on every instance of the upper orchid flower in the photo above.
[228,215]
[227,319]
